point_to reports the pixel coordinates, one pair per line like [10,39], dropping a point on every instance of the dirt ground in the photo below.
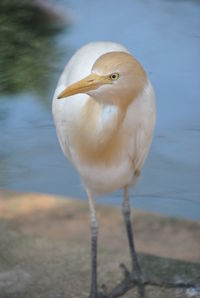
[45,248]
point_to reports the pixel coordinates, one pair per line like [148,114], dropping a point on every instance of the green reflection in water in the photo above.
[28,53]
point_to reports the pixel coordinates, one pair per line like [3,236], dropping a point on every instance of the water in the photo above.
[164,36]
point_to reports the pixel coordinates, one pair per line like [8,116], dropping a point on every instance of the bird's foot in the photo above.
[100,294]
[129,281]
[137,280]
[135,277]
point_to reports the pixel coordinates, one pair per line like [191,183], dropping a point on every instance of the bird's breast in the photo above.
[96,139]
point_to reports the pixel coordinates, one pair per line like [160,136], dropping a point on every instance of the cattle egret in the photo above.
[104,112]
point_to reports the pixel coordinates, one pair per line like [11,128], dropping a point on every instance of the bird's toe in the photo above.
[127,274]
[98,295]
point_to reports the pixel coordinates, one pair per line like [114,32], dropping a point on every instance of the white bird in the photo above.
[104,111]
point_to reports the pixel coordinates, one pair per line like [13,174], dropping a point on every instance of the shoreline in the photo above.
[45,247]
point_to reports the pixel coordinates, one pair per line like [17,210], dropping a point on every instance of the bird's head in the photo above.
[116,78]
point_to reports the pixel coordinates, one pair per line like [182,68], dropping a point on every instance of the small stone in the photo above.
[13,280]
[193,292]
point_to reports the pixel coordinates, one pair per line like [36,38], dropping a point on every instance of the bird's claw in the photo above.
[126,272]
[103,290]
[100,294]
[132,275]
[135,277]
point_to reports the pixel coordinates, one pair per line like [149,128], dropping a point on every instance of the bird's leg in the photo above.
[136,271]
[126,213]
[94,237]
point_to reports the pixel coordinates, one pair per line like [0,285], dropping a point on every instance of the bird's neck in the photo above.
[101,121]
[97,134]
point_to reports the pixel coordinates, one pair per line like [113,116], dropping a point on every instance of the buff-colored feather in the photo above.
[107,132]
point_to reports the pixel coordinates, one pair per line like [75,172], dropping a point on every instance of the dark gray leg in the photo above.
[136,271]
[94,237]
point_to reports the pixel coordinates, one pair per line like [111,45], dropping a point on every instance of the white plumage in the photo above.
[104,112]
[137,126]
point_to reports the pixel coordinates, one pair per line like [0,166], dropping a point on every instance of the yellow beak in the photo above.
[91,82]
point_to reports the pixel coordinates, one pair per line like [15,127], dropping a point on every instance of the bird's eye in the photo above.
[114,76]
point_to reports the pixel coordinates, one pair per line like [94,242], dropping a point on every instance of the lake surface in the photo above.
[165,37]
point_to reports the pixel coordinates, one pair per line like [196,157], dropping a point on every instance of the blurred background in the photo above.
[38,37]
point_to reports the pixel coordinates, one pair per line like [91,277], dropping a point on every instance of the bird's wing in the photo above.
[139,126]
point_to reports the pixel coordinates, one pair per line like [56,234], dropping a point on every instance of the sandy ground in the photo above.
[45,248]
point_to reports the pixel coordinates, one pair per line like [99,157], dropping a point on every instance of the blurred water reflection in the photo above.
[164,36]
[27,53]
